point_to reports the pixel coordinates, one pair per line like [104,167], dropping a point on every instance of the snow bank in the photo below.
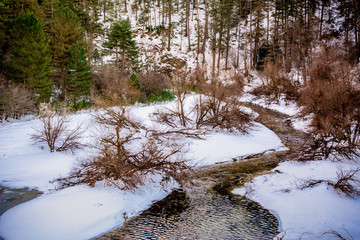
[311,212]
[78,212]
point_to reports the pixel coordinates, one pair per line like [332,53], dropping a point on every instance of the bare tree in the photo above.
[55,131]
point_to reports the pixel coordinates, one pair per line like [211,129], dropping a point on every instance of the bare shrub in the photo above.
[55,131]
[126,158]
[214,108]
[347,183]
[333,99]
[198,78]
[113,88]
[16,101]
[153,83]
[276,83]
[181,90]
[217,109]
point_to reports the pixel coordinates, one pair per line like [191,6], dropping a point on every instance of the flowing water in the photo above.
[200,214]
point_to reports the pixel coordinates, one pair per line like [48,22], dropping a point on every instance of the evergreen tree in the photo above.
[120,41]
[9,10]
[80,73]
[49,7]
[29,55]
[66,32]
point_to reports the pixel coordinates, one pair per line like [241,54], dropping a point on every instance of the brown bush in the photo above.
[55,131]
[112,87]
[15,101]
[276,83]
[214,107]
[333,99]
[123,165]
[153,83]
[217,108]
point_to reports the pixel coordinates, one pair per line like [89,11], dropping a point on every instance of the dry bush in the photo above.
[181,89]
[126,158]
[214,108]
[217,108]
[153,83]
[276,83]
[333,100]
[237,83]
[198,78]
[347,183]
[55,131]
[15,101]
[113,88]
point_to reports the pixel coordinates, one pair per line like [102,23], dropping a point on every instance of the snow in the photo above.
[313,211]
[214,150]
[82,212]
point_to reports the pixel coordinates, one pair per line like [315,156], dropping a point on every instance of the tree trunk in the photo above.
[206,29]
[170,25]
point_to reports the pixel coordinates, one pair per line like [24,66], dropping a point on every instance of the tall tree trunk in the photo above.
[170,25]
[206,29]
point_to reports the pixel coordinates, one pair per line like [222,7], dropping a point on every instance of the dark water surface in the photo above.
[10,197]
[200,214]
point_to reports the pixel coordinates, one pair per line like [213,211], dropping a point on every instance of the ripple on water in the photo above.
[200,215]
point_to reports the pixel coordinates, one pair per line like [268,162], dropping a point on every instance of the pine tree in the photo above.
[80,73]
[49,7]
[29,56]
[66,32]
[9,10]
[120,41]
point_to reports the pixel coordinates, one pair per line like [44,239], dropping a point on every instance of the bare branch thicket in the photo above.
[153,83]
[218,108]
[55,131]
[127,158]
[333,99]
[347,183]
[112,88]
[215,107]
[181,89]
[276,83]
[15,101]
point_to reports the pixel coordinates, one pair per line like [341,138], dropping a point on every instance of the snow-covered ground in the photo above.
[310,212]
[82,212]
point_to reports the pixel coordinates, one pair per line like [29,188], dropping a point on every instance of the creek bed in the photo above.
[201,213]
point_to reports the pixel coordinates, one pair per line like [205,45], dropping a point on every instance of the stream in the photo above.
[200,214]
[205,210]
[208,210]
